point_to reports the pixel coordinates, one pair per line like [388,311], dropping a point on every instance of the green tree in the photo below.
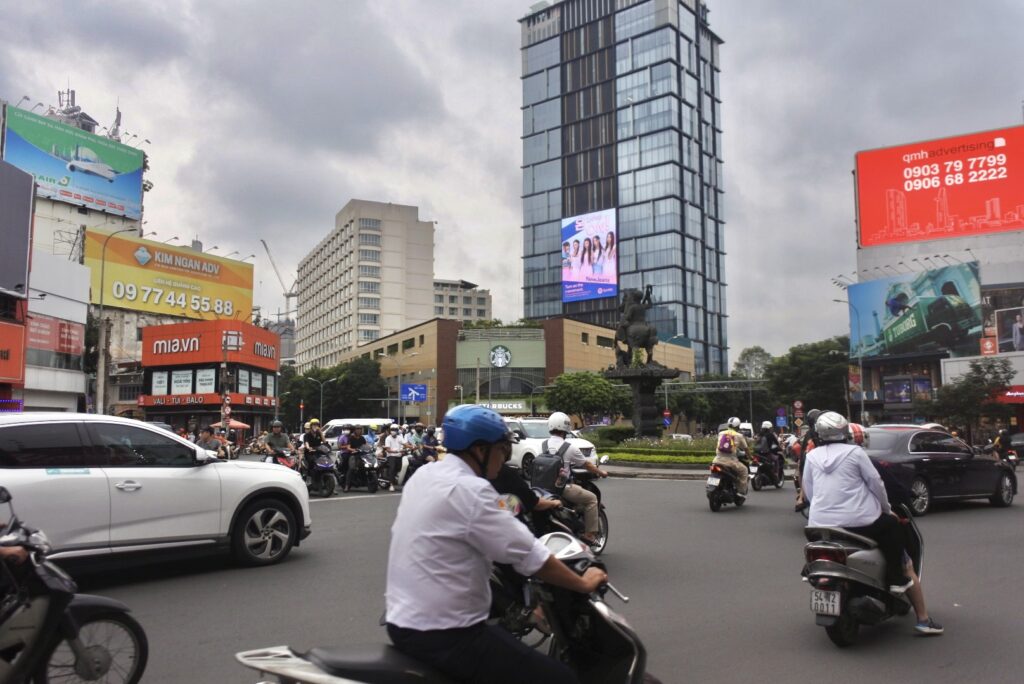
[814,373]
[752,363]
[967,399]
[581,394]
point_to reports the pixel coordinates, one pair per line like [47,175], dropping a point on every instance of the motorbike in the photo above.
[364,470]
[282,457]
[1008,455]
[49,632]
[585,633]
[568,519]
[721,487]
[767,470]
[318,471]
[846,572]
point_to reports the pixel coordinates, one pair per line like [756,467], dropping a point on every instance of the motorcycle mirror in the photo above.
[604,459]
[5,496]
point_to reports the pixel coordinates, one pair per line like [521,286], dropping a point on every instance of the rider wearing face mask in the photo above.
[447,533]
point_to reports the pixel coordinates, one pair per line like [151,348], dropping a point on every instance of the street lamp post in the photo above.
[101,365]
[860,354]
[321,384]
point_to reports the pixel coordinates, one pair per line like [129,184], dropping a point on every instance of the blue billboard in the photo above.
[920,312]
[590,256]
[75,166]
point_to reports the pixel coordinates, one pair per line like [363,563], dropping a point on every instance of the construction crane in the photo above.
[289,292]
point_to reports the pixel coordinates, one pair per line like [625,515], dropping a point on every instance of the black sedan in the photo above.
[921,467]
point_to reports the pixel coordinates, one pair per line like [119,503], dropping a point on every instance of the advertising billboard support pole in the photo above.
[104,341]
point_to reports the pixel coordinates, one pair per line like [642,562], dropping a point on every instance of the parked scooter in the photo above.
[50,633]
[721,488]
[363,470]
[585,633]
[318,471]
[846,572]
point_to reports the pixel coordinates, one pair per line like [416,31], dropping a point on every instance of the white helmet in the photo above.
[734,423]
[766,425]
[560,422]
[831,427]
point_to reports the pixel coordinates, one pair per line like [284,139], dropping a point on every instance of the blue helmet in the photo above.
[468,424]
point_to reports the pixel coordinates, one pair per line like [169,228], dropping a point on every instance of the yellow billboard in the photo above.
[143,275]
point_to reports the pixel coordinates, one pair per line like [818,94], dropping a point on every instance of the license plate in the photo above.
[753,470]
[713,481]
[825,602]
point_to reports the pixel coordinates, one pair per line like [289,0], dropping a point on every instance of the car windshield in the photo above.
[536,429]
[878,441]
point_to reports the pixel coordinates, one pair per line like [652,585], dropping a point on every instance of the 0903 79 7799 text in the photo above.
[175,298]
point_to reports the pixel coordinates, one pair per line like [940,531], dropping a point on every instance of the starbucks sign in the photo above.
[500,356]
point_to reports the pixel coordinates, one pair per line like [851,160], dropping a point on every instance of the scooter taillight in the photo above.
[757,461]
[835,554]
[716,469]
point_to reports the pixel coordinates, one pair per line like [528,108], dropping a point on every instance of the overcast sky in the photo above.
[266,118]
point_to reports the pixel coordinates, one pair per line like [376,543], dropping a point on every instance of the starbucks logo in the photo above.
[500,356]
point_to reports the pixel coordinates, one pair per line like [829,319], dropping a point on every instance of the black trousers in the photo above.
[891,537]
[480,654]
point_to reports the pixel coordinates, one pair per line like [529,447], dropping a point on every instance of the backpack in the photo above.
[549,469]
[726,442]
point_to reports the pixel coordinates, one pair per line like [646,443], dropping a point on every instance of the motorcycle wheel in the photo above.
[602,534]
[781,481]
[371,484]
[714,503]
[844,632]
[115,641]
[757,482]
[328,483]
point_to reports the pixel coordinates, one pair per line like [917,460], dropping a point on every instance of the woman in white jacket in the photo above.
[845,490]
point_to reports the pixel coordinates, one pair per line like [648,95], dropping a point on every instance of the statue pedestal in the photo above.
[644,381]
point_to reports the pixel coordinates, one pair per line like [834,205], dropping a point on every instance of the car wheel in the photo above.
[264,533]
[920,497]
[527,466]
[1004,492]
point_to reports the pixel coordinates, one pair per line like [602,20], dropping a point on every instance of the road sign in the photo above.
[227,410]
[798,404]
[798,413]
[667,420]
[781,411]
[413,392]
[798,422]
[780,421]
[666,413]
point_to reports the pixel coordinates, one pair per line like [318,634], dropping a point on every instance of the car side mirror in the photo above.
[5,496]
[520,434]
[203,456]
[515,438]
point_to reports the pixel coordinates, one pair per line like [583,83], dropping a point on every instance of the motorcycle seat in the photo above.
[377,664]
[838,534]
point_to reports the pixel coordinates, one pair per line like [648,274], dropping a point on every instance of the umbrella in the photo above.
[232,424]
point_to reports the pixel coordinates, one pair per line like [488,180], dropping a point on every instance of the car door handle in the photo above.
[128,486]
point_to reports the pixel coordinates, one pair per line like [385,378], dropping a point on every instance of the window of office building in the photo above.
[369,286]
[369,255]
[371,239]
[635,20]
[369,271]
[369,302]
[372,224]
[369,319]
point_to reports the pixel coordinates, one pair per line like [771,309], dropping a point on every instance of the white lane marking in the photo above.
[346,498]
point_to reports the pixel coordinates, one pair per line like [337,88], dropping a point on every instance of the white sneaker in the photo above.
[900,588]
[392,488]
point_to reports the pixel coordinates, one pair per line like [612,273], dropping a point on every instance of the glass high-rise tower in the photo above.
[622,111]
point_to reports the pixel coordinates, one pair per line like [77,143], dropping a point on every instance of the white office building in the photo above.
[461,300]
[368,278]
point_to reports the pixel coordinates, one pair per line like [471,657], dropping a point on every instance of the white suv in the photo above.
[101,485]
[532,432]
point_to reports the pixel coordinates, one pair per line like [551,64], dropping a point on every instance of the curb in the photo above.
[658,475]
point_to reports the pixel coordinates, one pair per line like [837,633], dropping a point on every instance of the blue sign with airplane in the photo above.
[413,392]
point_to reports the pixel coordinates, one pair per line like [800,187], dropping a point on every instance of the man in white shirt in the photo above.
[448,531]
[394,448]
[559,427]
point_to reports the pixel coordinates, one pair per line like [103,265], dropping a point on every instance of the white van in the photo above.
[372,427]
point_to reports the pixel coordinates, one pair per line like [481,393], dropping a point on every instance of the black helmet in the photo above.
[275,424]
[812,417]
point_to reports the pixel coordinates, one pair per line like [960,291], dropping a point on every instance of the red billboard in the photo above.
[205,341]
[12,353]
[55,335]
[954,187]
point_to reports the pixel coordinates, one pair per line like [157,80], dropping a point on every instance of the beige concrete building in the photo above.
[461,300]
[505,367]
[369,277]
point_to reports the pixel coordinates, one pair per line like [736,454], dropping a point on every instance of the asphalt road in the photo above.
[717,597]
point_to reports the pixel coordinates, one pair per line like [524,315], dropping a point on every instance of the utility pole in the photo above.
[104,341]
[477,395]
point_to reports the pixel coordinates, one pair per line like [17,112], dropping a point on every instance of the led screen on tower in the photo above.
[590,256]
